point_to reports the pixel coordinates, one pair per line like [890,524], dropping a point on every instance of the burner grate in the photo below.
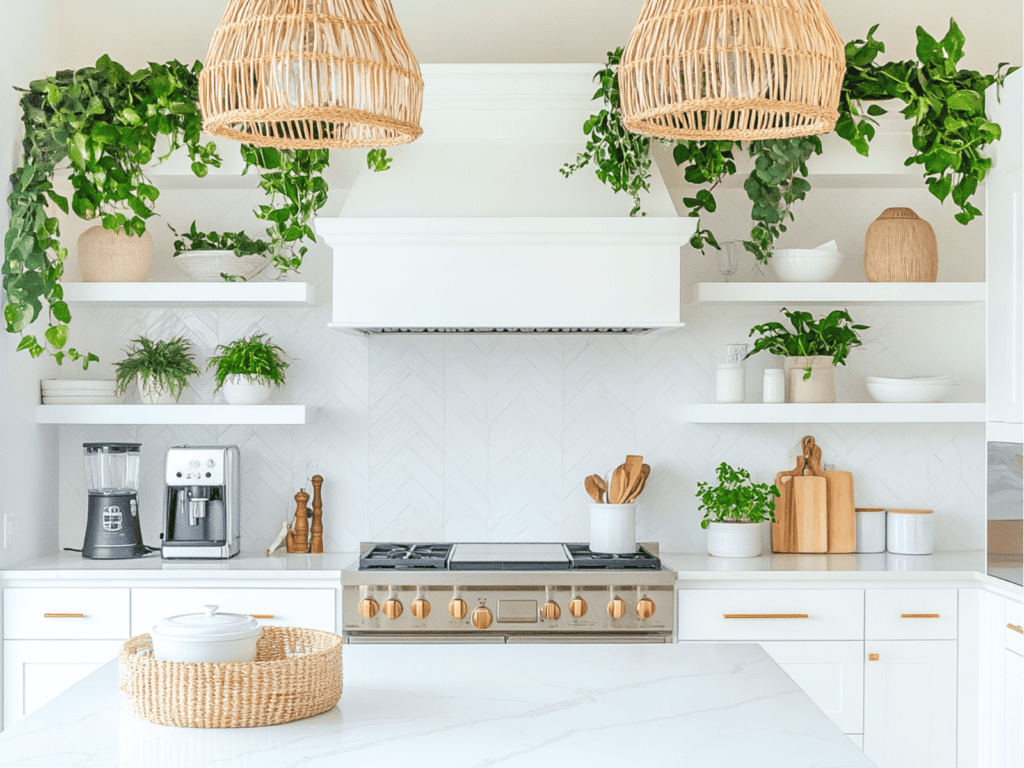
[584,559]
[405,557]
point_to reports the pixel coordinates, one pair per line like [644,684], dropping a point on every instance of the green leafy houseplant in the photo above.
[831,336]
[158,365]
[254,358]
[238,242]
[736,498]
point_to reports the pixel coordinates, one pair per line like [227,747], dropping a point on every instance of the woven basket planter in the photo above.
[900,247]
[106,256]
[820,388]
[296,674]
[208,266]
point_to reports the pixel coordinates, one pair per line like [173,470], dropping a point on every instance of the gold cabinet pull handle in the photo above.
[764,616]
[63,615]
[872,657]
[919,616]
[1015,628]
[262,615]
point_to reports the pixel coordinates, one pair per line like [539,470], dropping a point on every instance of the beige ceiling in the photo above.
[136,31]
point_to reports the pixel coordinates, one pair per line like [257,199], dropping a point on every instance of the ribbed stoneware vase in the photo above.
[735,539]
[900,247]
[106,256]
[820,388]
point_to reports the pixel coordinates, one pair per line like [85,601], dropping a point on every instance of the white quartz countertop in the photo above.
[516,706]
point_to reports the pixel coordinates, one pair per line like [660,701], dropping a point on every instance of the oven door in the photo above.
[356,638]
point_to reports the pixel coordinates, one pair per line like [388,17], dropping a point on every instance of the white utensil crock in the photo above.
[870,530]
[209,637]
[735,539]
[613,528]
[910,531]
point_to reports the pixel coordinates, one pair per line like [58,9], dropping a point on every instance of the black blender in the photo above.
[112,477]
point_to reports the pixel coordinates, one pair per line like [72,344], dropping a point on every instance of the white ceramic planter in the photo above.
[820,388]
[208,637]
[207,266]
[613,528]
[152,395]
[238,390]
[735,539]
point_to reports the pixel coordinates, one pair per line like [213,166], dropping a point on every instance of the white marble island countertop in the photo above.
[479,705]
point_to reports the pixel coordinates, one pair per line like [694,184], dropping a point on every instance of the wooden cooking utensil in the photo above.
[603,486]
[617,487]
[593,485]
[810,505]
[842,514]
[638,487]
[783,530]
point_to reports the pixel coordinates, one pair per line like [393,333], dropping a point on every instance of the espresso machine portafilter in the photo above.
[202,505]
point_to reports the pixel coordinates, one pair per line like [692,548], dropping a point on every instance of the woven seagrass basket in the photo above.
[296,674]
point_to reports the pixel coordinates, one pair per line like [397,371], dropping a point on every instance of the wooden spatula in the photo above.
[638,486]
[617,488]
[594,488]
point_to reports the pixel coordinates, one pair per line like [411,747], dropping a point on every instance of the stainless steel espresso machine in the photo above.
[202,506]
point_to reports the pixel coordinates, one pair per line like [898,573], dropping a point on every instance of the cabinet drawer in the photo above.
[309,608]
[1014,624]
[771,614]
[910,614]
[65,614]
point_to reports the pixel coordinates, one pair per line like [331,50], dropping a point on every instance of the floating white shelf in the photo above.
[175,414]
[838,293]
[192,295]
[842,413]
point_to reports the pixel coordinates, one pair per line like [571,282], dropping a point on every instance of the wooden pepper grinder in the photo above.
[316,540]
[298,535]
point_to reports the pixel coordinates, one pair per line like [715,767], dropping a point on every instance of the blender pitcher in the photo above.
[112,531]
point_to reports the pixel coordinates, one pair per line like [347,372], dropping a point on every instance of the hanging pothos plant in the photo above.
[949,134]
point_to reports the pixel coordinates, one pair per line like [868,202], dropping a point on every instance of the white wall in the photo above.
[28,468]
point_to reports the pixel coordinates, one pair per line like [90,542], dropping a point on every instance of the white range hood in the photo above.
[474,229]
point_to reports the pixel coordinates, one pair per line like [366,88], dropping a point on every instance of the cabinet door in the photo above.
[831,673]
[1013,710]
[35,671]
[910,703]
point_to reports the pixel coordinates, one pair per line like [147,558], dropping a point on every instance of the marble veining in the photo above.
[470,706]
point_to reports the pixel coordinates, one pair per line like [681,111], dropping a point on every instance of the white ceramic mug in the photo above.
[613,528]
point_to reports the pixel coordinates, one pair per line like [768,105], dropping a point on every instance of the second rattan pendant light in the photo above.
[732,69]
[311,74]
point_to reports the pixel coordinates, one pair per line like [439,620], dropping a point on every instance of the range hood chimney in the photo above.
[473,228]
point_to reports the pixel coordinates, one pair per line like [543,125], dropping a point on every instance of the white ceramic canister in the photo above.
[774,385]
[613,528]
[208,637]
[730,383]
[735,539]
[910,531]
[870,530]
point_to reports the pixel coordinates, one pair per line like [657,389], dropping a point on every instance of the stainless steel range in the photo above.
[505,593]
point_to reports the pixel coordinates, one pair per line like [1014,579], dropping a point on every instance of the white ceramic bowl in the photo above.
[207,266]
[805,265]
[209,637]
[909,390]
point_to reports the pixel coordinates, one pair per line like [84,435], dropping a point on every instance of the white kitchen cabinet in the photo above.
[36,671]
[1013,710]
[65,614]
[910,703]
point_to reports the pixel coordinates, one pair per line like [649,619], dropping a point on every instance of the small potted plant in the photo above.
[735,511]
[160,368]
[248,369]
[231,256]
[810,351]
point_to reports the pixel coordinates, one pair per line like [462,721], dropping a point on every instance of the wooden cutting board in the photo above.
[842,516]
[783,529]
[810,514]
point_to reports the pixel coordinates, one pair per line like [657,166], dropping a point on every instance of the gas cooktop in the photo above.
[501,557]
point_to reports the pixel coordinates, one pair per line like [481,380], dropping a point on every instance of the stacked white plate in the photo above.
[913,389]
[79,392]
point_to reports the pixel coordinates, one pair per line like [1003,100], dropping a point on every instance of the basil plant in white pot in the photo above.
[735,511]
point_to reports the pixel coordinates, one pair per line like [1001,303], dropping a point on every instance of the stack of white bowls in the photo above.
[79,392]
[914,389]
[807,265]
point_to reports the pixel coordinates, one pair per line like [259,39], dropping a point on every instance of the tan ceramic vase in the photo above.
[899,247]
[820,388]
[105,256]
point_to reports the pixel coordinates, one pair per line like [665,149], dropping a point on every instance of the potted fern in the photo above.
[810,351]
[248,369]
[735,511]
[160,368]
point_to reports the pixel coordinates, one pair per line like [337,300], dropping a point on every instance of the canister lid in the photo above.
[910,511]
[869,509]
[208,626]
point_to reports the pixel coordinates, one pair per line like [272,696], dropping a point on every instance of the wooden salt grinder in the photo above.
[297,536]
[316,540]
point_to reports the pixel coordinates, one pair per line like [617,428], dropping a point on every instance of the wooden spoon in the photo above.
[645,472]
[617,487]
[593,487]
[603,486]
[632,465]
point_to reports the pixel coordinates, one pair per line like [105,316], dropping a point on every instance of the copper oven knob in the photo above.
[577,606]
[457,608]
[550,610]
[420,608]
[392,608]
[368,607]
[616,608]
[645,608]
[482,617]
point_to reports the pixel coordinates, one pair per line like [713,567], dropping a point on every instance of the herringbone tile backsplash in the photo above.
[489,437]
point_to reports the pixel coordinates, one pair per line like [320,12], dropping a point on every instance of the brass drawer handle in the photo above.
[262,615]
[919,616]
[1015,628]
[873,657]
[764,616]
[63,615]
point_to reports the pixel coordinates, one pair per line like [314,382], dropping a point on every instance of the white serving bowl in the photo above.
[207,266]
[909,390]
[805,265]
[209,637]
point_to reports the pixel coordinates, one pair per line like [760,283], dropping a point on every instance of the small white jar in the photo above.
[870,530]
[730,383]
[613,528]
[774,385]
[910,531]
[208,637]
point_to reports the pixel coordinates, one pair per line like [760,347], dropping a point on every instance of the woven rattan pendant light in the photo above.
[732,69]
[311,74]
